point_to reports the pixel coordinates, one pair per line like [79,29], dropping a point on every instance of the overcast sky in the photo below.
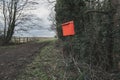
[42,11]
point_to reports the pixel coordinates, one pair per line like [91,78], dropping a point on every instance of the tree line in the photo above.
[96,45]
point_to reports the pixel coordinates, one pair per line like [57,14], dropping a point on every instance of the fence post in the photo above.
[19,40]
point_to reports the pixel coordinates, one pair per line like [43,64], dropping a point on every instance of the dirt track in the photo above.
[14,59]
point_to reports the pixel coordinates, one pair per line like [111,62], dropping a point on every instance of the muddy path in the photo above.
[14,59]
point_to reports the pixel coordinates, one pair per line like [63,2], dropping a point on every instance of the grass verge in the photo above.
[48,65]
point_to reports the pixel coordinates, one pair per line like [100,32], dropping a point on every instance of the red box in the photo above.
[68,28]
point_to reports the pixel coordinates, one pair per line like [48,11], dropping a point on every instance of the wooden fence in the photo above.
[23,39]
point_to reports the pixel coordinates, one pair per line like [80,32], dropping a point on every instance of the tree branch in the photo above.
[96,11]
[51,1]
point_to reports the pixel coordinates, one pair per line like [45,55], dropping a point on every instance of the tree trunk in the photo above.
[12,22]
[116,20]
[114,23]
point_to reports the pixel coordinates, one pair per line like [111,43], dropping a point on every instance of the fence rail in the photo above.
[23,39]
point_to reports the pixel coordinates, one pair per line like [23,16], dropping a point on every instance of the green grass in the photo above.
[46,39]
[48,65]
[8,47]
[39,41]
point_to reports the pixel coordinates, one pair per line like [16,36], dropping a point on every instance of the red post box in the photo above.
[68,28]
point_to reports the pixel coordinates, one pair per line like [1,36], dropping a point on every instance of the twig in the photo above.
[96,11]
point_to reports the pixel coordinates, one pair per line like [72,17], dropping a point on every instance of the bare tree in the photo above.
[12,11]
[51,4]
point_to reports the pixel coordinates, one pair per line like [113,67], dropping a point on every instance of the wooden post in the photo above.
[19,40]
[27,39]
